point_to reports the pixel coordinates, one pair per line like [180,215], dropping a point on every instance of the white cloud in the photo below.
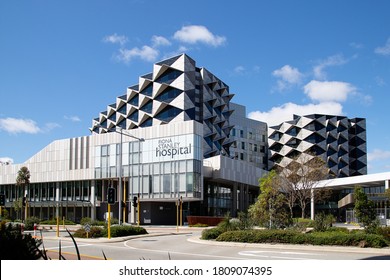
[285,112]
[356,45]
[377,155]
[160,41]
[385,50]
[328,90]
[72,118]
[6,161]
[50,126]
[239,70]
[115,39]
[145,53]
[15,126]
[288,74]
[193,34]
[330,61]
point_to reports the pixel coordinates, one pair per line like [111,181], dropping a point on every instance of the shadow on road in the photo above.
[387,257]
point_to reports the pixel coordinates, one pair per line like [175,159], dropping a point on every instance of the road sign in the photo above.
[87,227]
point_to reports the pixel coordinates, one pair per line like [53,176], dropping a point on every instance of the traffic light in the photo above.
[24,203]
[2,199]
[135,201]
[111,195]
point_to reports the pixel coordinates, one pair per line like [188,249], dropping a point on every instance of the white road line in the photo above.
[274,255]
[65,247]
[181,253]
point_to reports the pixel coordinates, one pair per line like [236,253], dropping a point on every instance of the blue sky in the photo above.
[63,62]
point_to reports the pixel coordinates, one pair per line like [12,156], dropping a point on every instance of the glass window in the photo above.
[168,113]
[168,76]
[167,167]
[166,184]
[156,168]
[182,182]
[134,116]
[156,184]
[168,94]
[105,150]
[135,158]
[135,170]
[145,169]
[190,165]
[190,182]
[145,184]
[134,183]
[148,90]
[182,166]
[147,107]
[134,100]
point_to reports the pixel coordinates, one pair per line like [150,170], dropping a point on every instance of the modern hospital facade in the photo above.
[174,136]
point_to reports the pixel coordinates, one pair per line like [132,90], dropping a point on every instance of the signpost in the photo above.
[87,228]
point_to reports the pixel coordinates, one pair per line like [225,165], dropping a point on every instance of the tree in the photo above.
[269,208]
[365,210]
[299,179]
[22,181]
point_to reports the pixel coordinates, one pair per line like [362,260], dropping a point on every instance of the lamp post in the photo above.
[120,173]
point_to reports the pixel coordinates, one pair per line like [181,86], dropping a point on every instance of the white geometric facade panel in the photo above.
[176,91]
[339,141]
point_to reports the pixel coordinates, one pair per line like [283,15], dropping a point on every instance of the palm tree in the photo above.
[22,181]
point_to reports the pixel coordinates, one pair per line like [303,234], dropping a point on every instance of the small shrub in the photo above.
[118,231]
[315,238]
[245,221]
[385,232]
[229,224]
[300,224]
[95,232]
[54,222]
[29,224]
[199,225]
[323,222]
[86,220]
[338,229]
[211,233]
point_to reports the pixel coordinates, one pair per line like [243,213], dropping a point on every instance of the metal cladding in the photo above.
[175,91]
[339,141]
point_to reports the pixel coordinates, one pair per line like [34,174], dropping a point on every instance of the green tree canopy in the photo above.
[365,210]
[269,209]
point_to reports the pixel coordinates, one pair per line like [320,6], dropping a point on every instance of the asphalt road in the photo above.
[168,244]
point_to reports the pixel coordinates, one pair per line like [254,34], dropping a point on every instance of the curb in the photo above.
[349,249]
[114,239]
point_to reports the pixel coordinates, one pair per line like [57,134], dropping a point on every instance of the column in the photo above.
[57,200]
[312,205]
[234,200]
[93,200]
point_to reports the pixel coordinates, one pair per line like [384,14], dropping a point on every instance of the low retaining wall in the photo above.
[211,221]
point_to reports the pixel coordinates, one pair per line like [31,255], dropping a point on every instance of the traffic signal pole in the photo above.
[139,210]
[109,221]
